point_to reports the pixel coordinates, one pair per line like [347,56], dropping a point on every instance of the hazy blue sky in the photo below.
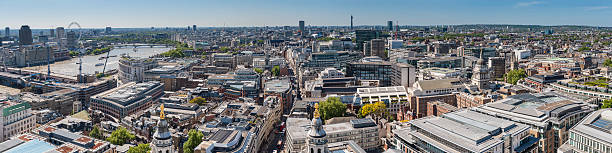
[205,13]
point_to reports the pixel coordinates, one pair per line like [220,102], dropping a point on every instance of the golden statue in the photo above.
[161,113]
[316,111]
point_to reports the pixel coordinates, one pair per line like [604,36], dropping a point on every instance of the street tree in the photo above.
[331,107]
[120,136]
[195,138]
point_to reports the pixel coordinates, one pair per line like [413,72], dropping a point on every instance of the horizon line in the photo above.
[181,27]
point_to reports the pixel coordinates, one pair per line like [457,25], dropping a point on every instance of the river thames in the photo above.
[71,68]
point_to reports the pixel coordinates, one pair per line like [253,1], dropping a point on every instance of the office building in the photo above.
[464,131]
[282,90]
[437,108]
[375,47]
[522,54]
[497,66]
[64,140]
[371,68]
[60,101]
[51,32]
[395,44]
[394,97]
[61,33]
[301,27]
[127,99]
[363,36]
[475,51]
[25,35]
[33,55]
[425,91]
[108,30]
[441,62]
[549,114]
[351,22]
[403,75]
[133,68]
[224,60]
[336,59]
[443,47]
[43,39]
[7,32]
[16,118]
[71,40]
[195,28]
[591,134]
[390,25]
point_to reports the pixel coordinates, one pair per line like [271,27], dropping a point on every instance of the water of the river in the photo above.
[71,68]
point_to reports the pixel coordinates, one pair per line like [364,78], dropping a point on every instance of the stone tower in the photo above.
[316,143]
[162,139]
[480,76]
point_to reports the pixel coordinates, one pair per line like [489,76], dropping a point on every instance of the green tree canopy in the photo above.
[514,76]
[608,63]
[606,103]
[176,53]
[141,148]
[195,138]
[120,136]
[377,109]
[224,49]
[95,133]
[198,100]
[276,70]
[258,70]
[331,107]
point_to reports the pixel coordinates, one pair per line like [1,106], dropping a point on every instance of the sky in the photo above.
[40,14]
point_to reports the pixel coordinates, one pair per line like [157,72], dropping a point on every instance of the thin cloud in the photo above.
[527,4]
[595,8]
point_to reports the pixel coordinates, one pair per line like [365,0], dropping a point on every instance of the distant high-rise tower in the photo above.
[351,22]
[108,30]
[390,25]
[25,35]
[71,38]
[51,32]
[301,27]
[60,32]
[195,28]
[7,32]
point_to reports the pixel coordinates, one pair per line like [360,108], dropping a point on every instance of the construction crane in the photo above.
[105,61]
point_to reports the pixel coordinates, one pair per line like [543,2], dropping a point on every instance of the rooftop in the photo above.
[471,130]
[33,146]
[127,93]
[278,86]
[597,125]
[536,105]
[438,84]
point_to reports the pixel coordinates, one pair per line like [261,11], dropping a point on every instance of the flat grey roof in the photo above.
[586,126]
[469,129]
